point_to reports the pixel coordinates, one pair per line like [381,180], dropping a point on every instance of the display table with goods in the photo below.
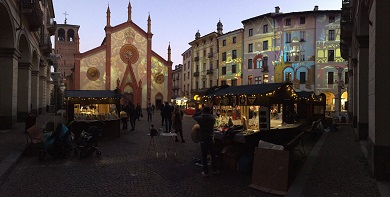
[87,108]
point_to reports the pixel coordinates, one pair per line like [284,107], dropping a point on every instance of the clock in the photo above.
[159,78]
[93,74]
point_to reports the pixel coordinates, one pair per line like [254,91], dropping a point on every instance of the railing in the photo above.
[34,15]
[210,55]
[196,59]
[210,71]
[265,69]
[45,44]
[51,26]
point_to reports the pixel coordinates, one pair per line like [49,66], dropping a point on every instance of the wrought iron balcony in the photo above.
[45,44]
[51,26]
[175,87]
[196,59]
[34,15]
[196,74]
[210,55]
[265,69]
[210,71]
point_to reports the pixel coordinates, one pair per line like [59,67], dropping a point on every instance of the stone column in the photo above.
[355,95]
[35,91]
[24,90]
[362,88]
[42,95]
[8,87]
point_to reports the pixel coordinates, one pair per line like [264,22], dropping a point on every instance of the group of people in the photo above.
[172,117]
[133,113]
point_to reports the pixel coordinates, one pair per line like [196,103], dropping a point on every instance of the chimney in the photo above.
[316,8]
[277,9]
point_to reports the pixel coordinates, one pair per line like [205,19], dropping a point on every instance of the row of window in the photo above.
[234,41]
[302,20]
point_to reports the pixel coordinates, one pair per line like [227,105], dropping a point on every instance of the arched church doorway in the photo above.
[158,100]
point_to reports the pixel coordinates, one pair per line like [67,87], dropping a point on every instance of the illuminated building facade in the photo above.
[125,60]
[364,43]
[205,61]
[186,74]
[230,58]
[177,81]
[262,46]
[25,48]
[302,48]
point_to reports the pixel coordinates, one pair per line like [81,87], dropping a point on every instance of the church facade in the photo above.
[125,60]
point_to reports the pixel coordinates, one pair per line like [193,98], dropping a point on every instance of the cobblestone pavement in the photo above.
[341,168]
[126,169]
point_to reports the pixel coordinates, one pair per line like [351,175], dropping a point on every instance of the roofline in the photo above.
[289,13]
[203,37]
[186,51]
[232,32]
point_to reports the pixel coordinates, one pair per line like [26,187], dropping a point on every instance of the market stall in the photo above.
[94,107]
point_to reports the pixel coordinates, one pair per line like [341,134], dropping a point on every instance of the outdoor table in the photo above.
[169,144]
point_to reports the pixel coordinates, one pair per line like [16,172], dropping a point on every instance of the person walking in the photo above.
[177,120]
[139,111]
[206,122]
[132,114]
[125,118]
[149,112]
[161,113]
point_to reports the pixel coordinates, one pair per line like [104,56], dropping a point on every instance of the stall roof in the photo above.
[248,89]
[92,94]
[305,94]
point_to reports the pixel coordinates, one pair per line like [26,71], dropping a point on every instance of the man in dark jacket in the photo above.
[206,121]
[167,115]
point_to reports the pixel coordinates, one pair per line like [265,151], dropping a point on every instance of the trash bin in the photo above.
[31,120]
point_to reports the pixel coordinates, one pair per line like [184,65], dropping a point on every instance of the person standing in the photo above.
[149,112]
[161,113]
[125,118]
[167,114]
[153,107]
[139,111]
[206,122]
[132,114]
[177,120]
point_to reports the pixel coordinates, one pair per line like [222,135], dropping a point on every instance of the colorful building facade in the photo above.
[230,58]
[205,61]
[302,48]
[126,61]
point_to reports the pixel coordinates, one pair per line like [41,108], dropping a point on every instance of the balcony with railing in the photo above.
[196,59]
[45,44]
[210,71]
[265,69]
[210,55]
[34,15]
[196,74]
[175,87]
[51,26]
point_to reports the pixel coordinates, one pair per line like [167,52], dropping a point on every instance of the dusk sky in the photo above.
[173,21]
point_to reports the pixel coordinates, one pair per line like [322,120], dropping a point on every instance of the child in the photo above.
[153,131]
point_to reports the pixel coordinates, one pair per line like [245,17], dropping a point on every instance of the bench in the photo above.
[293,145]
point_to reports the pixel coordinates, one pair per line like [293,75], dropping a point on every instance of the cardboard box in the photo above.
[271,171]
